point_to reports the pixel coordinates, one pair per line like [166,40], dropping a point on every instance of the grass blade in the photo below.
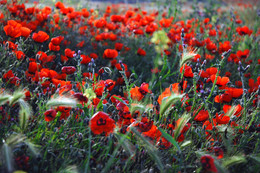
[170,139]
[152,151]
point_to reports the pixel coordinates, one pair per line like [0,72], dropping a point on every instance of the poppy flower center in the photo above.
[50,115]
[142,91]
[101,122]
[243,33]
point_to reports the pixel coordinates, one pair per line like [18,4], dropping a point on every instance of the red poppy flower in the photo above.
[242,55]
[141,52]
[247,75]
[119,66]
[167,92]
[227,74]
[145,125]
[69,53]
[138,31]
[44,58]
[65,112]
[226,97]
[153,133]
[144,88]
[57,40]
[80,97]
[218,152]
[59,5]
[239,83]
[136,94]
[224,47]
[211,47]
[93,55]
[119,46]
[209,57]
[209,71]
[222,119]
[102,123]
[85,13]
[203,74]
[68,69]
[52,47]
[81,44]
[164,144]
[50,115]
[221,81]
[85,59]
[253,85]
[238,109]
[165,23]
[233,57]
[149,29]
[244,31]
[64,58]
[187,71]
[112,37]
[40,37]
[33,66]
[116,18]
[110,54]
[203,115]
[208,163]
[101,85]
[13,29]
[100,23]
[11,45]
[25,32]
[109,84]
[212,32]
[234,92]
[19,55]
[8,75]
[206,20]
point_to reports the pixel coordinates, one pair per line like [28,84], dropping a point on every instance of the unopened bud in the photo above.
[247,67]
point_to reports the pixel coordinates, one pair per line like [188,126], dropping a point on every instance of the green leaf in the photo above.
[121,100]
[170,139]
[234,160]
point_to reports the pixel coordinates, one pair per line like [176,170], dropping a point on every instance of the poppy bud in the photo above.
[247,67]
[7,44]
[182,33]
[68,69]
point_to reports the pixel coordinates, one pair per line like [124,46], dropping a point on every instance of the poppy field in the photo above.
[117,89]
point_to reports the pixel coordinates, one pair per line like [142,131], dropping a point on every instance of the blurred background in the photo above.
[133,2]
